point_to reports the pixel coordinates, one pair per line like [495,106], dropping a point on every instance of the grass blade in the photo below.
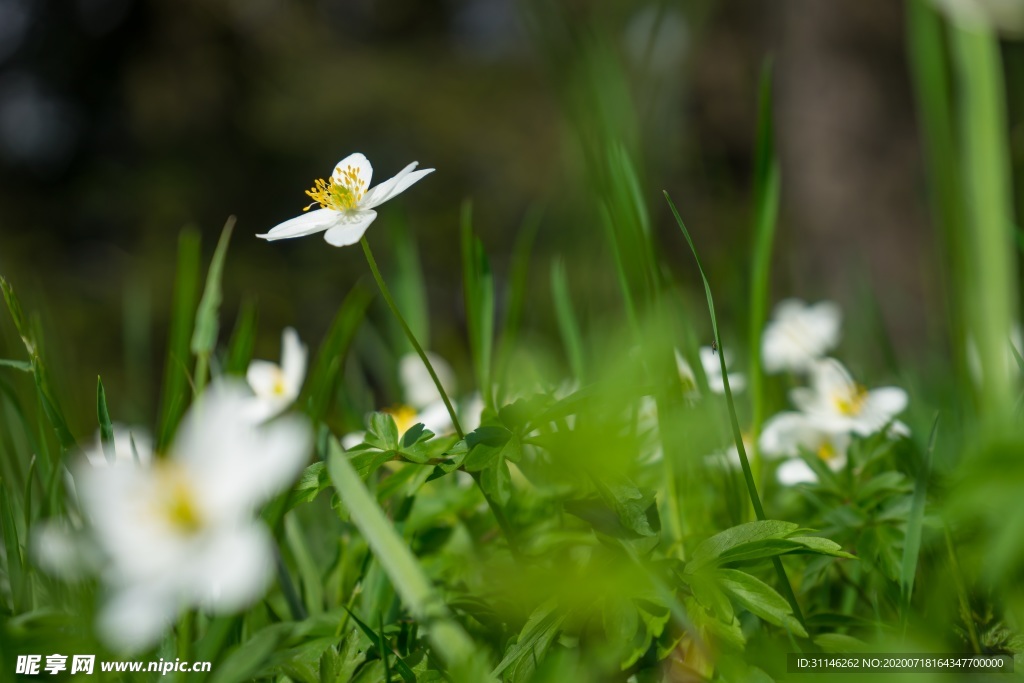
[207,327]
[186,290]
[243,339]
[748,476]
[915,525]
[766,208]
[478,292]
[103,418]
[448,638]
[567,323]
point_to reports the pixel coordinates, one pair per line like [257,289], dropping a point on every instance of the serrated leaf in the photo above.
[382,432]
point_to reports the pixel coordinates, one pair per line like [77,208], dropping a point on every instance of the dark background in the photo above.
[121,121]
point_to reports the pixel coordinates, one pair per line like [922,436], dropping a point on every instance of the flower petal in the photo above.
[360,164]
[135,617]
[234,569]
[350,232]
[795,471]
[394,186]
[308,223]
[418,388]
[889,401]
[293,361]
[263,376]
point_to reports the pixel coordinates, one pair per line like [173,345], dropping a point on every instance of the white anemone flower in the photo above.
[346,205]
[789,433]
[713,371]
[799,334]
[130,444]
[181,532]
[422,402]
[836,403]
[277,386]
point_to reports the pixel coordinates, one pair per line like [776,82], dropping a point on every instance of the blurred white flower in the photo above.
[130,444]
[687,378]
[799,334]
[181,533]
[346,206]
[836,403]
[788,433]
[277,386]
[713,371]
[422,402]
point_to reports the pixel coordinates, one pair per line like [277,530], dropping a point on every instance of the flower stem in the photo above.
[412,337]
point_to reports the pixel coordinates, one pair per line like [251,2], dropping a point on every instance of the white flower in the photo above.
[130,444]
[799,334]
[346,206]
[836,403]
[789,433]
[181,533]
[422,402]
[713,371]
[277,386]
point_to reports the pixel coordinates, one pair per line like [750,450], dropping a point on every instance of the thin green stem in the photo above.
[499,514]
[409,334]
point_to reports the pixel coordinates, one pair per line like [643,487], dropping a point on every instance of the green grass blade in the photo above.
[207,327]
[448,638]
[991,283]
[748,476]
[915,526]
[478,292]
[176,380]
[408,285]
[403,669]
[766,208]
[519,271]
[326,368]
[243,339]
[103,418]
[929,69]
[12,547]
[567,323]
[24,366]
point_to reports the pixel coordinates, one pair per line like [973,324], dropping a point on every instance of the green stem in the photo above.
[499,514]
[409,334]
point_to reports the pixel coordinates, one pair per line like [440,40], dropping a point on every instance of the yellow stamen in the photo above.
[853,402]
[404,417]
[175,501]
[339,196]
[826,451]
[279,387]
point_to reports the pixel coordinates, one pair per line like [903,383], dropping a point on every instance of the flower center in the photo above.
[826,451]
[279,388]
[176,502]
[338,196]
[851,402]
[404,417]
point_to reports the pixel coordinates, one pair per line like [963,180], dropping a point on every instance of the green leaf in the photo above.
[243,339]
[537,634]
[326,369]
[207,326]
[174,398]
[478,291]
[496,481]
[822,546]
[14,306]
[839,643]
[103,417]
[713,547]
[489,446]
[568,326]
[248,658]
[22,365]
[759,599]
[15,564]
[382,432]
[448,638]
[403,669]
